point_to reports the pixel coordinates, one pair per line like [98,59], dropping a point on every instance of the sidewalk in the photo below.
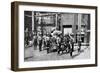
[36,55]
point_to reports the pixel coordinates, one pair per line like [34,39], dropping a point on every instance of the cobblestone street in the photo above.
[36,55]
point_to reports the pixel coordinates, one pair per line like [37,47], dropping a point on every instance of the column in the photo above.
[79,24]
[32,21]
[74,26]
[56,16]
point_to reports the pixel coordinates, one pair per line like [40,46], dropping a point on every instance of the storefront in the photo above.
[46,22]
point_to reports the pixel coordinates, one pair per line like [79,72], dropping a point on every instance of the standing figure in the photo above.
[40,42]
[35,41]
[72,44]
[79,45]
[67,42]
[48,43]
[58,44]
[26,37]
[54,43]
[44,41]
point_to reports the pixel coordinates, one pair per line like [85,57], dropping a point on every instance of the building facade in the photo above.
[72,23]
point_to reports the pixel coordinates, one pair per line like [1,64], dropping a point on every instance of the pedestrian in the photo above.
[44,41]
[35,41]
[72,44]
[40,42]
[54,43]
[67,42]
[26,37]
[48,43]
[79,45]
[58,44]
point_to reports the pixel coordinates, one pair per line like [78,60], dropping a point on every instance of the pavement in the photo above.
[32,54]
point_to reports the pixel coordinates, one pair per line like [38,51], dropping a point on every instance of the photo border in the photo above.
[15,34]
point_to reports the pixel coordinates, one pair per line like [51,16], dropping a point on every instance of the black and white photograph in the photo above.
[56,36]
[53,36]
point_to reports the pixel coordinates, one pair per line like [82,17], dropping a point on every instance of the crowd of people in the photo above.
[60,43]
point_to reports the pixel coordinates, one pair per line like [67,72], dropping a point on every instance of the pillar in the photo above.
[32,21]
[79,24]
